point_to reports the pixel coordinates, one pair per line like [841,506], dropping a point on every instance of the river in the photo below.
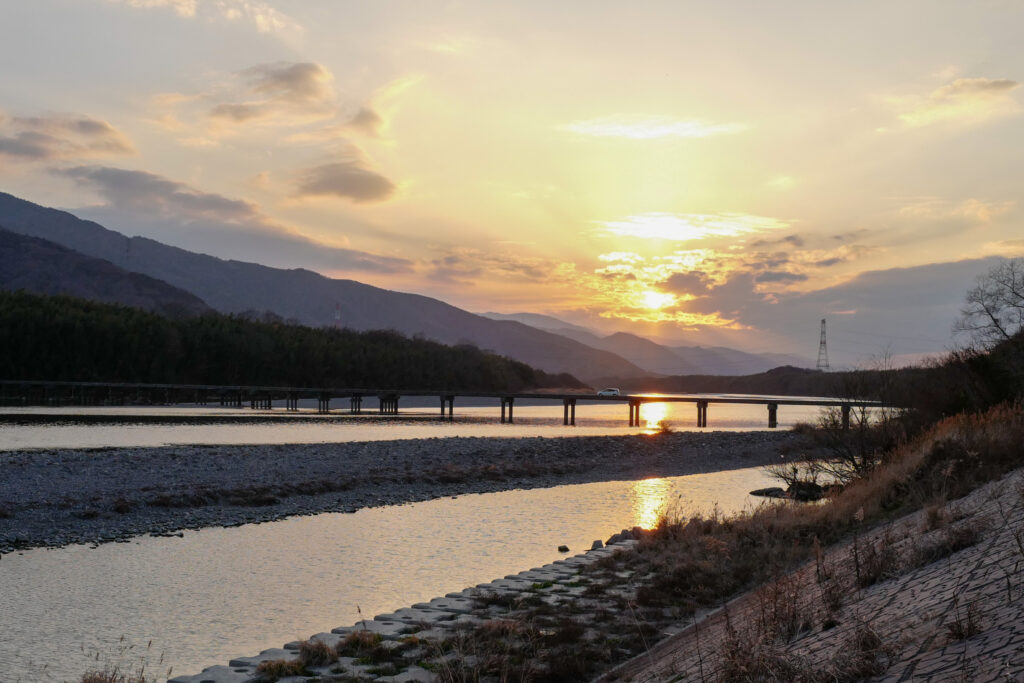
[220,593]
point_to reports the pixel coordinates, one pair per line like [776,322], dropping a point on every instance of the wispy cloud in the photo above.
[260,15]
[973,210]
[649,127]
[60,137]
[965,101]
[179,211]
[690,226]
[289,92]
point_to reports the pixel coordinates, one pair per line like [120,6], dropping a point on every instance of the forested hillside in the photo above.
[62,338]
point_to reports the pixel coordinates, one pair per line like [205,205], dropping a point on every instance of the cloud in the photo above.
[691,226]
[262,16]
[367,121]
[346,179]
[185,216]
[288,90]
[793,240]
[693,282]
[965,101]
[291,81]
[647,127]
[828,262]
[463,265]
[240,113]
[780,276]
[973,210]
[51,138]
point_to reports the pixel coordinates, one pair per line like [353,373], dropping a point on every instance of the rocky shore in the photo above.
[54,498]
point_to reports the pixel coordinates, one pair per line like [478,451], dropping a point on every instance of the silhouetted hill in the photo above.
[64,338]
[721,360]
[43,267]
[783,381]
[661,358]
[308,297]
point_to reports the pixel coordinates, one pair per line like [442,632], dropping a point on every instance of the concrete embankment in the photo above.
[54,498]
[397,646]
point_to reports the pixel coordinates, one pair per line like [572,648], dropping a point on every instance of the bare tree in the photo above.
[994,310]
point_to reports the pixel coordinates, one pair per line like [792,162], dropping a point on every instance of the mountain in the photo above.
[662,359]
[43,267]
[310,298]
[541,322]
[650,356]
[720,360]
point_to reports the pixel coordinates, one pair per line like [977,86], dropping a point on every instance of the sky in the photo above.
[698,173]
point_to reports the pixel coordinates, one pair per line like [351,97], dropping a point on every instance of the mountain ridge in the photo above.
[312,299]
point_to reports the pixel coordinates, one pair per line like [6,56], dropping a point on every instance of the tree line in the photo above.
[61,338]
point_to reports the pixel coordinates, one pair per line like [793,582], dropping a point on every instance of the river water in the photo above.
[218,593]
[215,594]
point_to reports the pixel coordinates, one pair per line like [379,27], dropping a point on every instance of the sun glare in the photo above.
[654,415]
[690,226]
[657,300]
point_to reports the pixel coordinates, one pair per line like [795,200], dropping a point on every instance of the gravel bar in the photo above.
[59,497]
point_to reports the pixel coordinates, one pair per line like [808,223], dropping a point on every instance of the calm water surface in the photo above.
[176,425]
[221,593]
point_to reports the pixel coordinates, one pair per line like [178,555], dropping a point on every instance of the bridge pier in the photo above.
[702,413]
[773,415]
[450,400]
[846,417]
[634,413]
[355,405]
[510,401]
[569,411]
[323,405]
[292,402]
[388,405]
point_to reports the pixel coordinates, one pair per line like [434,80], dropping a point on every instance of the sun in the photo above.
[657,300]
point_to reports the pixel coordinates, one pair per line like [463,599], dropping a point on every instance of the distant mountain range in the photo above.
[661,359]
[302,295]
[49,251]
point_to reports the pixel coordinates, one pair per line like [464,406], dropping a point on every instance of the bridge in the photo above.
[47,393]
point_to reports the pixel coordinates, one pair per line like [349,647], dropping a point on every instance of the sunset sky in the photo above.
[706,173]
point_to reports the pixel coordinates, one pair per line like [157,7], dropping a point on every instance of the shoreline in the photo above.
[53,498]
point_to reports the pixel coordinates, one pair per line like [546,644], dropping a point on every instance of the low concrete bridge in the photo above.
[44,393]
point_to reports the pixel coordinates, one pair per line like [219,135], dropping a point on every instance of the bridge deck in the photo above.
[43,392]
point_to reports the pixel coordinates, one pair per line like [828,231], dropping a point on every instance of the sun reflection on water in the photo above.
[653,415]
[649,498]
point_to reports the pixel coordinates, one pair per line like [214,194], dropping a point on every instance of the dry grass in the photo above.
[316,653]
[277,669]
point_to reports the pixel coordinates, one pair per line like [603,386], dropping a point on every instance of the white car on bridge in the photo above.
[609,392]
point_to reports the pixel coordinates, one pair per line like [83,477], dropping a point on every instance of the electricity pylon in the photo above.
[822,349]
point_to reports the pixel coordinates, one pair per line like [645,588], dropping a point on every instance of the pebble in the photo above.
[60,497]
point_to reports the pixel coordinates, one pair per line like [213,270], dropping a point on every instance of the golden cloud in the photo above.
[965,101]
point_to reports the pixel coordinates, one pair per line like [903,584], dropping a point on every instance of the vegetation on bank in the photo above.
[65,339]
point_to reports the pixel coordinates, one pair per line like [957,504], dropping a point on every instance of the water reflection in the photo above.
[649,498]
[205,597]
[654,415]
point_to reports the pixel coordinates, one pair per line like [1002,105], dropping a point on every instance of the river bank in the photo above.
[60,497]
